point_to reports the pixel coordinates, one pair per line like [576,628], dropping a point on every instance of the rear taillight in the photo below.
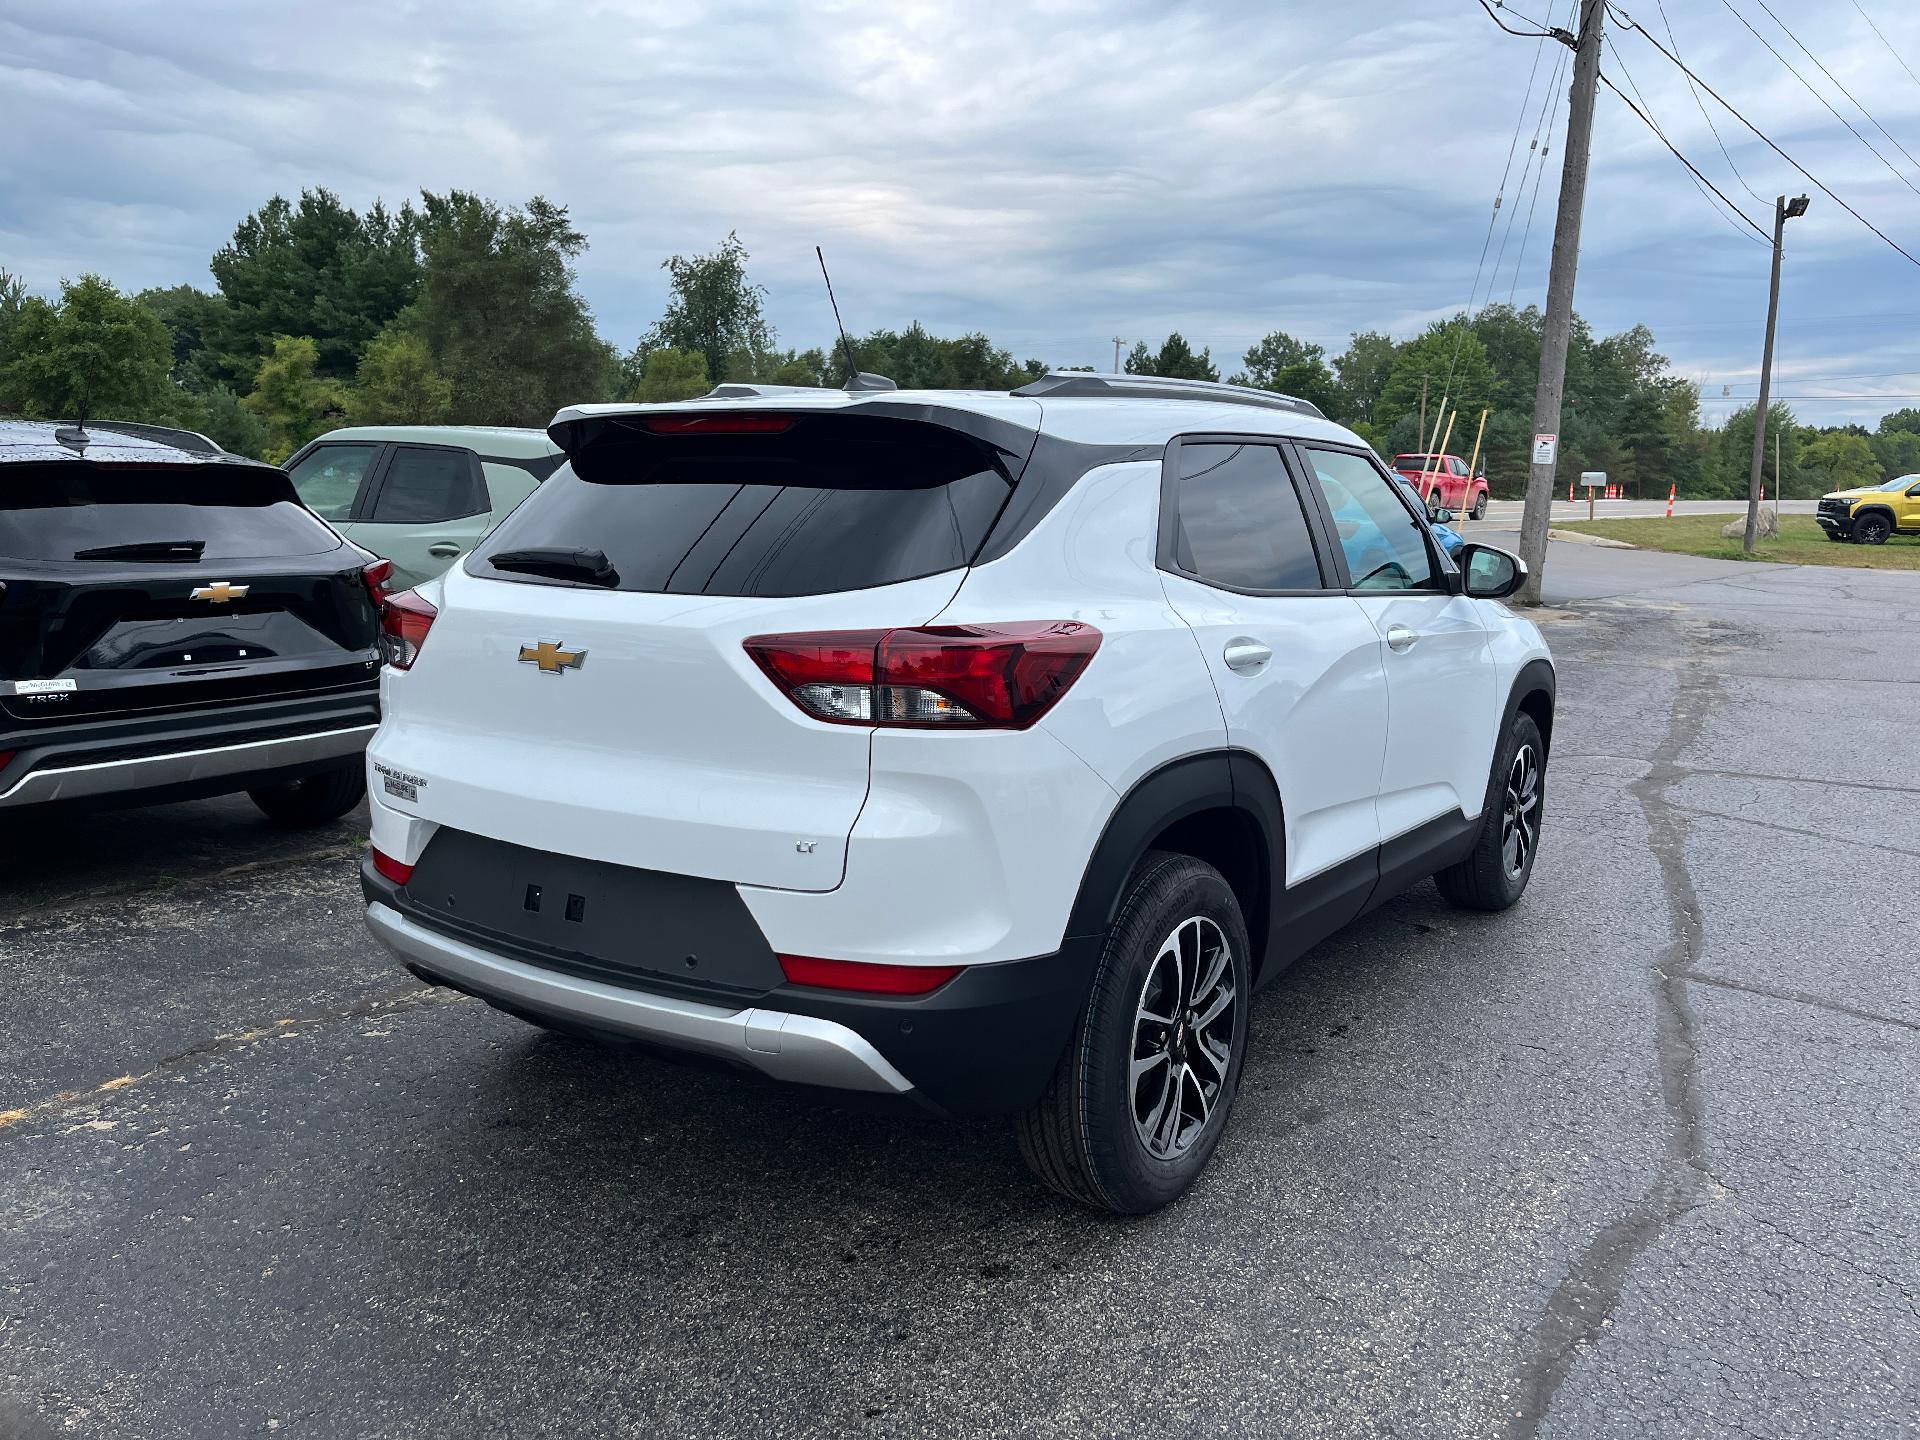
[935,677]
[6,758]
[404,621]
[378,576]
[391,868]
[867,977]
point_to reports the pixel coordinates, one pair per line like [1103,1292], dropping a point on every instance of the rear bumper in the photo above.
[184,754]
[985,1043]
[800,1048]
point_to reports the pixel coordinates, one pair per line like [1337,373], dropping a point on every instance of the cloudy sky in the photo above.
[1056,174]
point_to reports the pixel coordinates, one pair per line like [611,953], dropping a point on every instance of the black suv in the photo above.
[174,623]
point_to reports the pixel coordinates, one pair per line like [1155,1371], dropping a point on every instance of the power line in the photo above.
[1700,181]
[1888,43]
[1834,80]
[1537,156]
[1628,23]
[1892,169]
[1694,91]
[1539,32]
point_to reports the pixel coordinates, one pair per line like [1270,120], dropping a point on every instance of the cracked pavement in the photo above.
[1637,1157]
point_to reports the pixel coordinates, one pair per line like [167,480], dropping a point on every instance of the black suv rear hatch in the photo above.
[137,587]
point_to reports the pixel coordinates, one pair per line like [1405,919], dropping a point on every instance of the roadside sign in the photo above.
[1593,479]
[1546,448]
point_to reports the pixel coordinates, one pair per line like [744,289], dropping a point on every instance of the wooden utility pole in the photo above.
[1558,325]
[1117,343]
[1782,212]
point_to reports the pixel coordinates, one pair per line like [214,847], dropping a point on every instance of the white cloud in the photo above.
[1053,173]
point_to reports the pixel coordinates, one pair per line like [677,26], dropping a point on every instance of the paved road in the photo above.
[1507,512]
[1638,1157]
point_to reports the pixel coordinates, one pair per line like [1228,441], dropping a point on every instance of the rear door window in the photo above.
[58,511]
[329,478]
[425,485]
[839,503]
[1237,521]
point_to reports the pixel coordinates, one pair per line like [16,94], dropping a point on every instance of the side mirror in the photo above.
[1442,516]
[1491,573]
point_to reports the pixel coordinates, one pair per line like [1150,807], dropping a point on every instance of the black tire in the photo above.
[1434,507]
[1479,511]
[1488,879]
[315,799]
[1872,529]
[1835,536]
[1085,1136]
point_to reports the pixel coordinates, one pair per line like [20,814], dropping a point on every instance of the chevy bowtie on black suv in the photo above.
[174,623]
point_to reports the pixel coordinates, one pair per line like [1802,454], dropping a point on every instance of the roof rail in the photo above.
[1085,384]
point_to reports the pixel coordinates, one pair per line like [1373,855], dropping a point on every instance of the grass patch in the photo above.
[1801,542]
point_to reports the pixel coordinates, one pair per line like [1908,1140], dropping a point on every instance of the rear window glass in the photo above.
[835,504]
[54,512]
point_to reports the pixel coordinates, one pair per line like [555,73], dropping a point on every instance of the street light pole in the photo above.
[1783,211]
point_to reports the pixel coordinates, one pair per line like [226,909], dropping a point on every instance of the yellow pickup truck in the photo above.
[1869,514]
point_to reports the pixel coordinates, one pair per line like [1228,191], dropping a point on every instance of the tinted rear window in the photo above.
[837,503]
[52,512]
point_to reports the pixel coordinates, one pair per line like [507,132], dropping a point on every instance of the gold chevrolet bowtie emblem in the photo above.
[220,592]
[551,658]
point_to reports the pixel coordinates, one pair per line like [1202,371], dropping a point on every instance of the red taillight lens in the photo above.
[749,424]
[404,621]
[940,677]
[378,576]
[386,865]
[865,976]
[6,758]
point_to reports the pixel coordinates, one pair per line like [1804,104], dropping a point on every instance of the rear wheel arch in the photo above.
[1221,807]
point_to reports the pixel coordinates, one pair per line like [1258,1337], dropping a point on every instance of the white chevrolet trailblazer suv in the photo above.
[985,749]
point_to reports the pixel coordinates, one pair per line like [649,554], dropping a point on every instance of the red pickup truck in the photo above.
[1443,482]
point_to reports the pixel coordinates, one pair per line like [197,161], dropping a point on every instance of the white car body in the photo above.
[669,750]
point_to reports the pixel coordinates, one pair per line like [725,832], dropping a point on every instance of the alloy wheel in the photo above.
[1520,818]
[1182,1038]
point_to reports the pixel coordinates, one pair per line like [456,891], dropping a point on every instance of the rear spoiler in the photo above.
[577,427]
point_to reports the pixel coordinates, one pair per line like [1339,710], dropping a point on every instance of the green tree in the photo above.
[13,299]
[713,308]
[1905,421]
[189,314]
[915,359]
[498,309]
[223,417]
[1839,461]
[1730,450]
[1175,359]
[1270,356]
[673,375]
[1898,451]
[1455,365]
[1361,370]
[398,383]
[316,269]
[1312,381]
[94,354]
[293,400]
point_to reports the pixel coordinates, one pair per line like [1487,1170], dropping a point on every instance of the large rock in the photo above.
[1768,527]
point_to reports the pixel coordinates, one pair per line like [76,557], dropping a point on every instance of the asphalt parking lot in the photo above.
[1637,1157]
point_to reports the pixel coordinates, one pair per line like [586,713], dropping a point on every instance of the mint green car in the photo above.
[420,495]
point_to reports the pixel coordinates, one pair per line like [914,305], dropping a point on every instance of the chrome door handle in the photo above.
[1400,639]
[1245,656]
[443,549]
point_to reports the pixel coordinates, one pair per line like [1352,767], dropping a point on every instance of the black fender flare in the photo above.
[1210,780]
[1893,522]
[1536,677]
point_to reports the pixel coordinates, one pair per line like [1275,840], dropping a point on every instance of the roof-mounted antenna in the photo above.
[855,379]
